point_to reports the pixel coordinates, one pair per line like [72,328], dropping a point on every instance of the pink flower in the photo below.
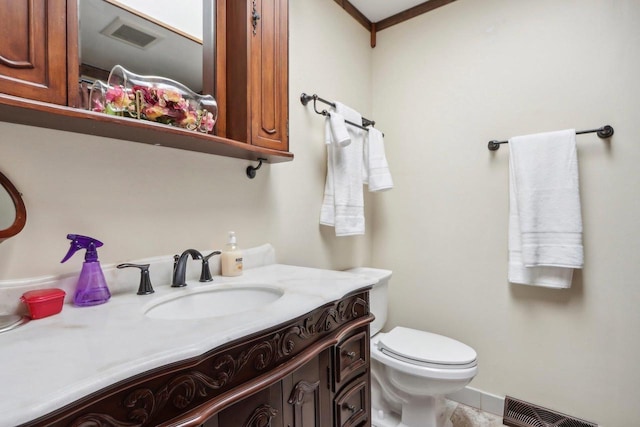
[98,106]
[207,122]
[117,97]
[183,104]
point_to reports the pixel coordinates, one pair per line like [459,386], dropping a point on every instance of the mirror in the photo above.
[13,214]
[156,38]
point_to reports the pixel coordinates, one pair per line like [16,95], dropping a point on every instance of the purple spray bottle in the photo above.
[92,287]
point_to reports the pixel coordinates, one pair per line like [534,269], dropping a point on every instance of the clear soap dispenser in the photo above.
[92,287]
[231,257]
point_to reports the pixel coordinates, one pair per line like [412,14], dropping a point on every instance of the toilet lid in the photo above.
[426,349]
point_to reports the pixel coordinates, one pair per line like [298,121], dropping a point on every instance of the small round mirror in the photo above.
[13,214]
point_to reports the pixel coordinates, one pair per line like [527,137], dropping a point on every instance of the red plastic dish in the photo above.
[44,302]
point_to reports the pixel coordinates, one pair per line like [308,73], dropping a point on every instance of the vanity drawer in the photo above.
[352,404]
[351,356]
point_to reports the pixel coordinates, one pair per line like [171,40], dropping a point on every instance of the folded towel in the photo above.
[545,222]
[376,169]
[338,130]
[343,204]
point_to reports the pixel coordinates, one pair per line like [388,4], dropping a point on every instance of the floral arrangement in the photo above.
[156,104]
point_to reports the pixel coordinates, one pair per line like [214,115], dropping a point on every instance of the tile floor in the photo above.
[466,416]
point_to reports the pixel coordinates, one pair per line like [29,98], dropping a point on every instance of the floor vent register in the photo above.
[518,413]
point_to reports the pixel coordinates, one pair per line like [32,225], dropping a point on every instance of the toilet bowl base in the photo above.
[380,418]
[429,411]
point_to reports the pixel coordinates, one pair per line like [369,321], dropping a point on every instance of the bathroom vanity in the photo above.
[299,360]
[303,373]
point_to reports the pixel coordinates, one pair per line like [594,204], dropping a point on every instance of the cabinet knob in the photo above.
[350,355]
[349,407]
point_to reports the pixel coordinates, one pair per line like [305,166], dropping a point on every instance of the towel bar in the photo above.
[304,99]
[605,131]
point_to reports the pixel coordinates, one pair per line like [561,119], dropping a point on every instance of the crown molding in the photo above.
[374,27]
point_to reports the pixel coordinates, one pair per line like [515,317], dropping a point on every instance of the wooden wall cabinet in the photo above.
[39,74]
[252,46]
[33,50]
[312,371]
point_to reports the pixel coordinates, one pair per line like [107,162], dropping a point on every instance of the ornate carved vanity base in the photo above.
[312,371]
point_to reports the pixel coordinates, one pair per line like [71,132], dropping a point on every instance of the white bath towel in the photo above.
[343,204]
[376,168]
[545,221]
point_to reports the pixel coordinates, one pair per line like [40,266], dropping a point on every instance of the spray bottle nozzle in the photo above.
[83,242]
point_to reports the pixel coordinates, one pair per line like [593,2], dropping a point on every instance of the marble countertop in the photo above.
[51,362]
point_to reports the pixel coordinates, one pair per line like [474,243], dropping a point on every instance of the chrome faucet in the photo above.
[180,267]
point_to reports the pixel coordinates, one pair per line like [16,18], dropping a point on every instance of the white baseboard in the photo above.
[479,399]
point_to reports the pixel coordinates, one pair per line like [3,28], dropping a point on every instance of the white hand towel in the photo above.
[545,222]
[343,204]
[376,168]
[338,128]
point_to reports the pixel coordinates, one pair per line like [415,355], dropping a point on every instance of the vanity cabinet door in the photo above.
[253,93]
[33,53]
[261,409]
[308,400]
[301,399]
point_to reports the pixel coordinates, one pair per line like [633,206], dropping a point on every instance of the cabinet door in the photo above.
[309,403]
[262,409]
[269,96]
[33,54]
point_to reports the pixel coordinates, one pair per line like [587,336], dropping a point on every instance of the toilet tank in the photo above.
[378,296]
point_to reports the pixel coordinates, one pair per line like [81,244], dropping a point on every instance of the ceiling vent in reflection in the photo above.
[130,33]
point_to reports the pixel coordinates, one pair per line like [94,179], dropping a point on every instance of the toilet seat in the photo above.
[426,349]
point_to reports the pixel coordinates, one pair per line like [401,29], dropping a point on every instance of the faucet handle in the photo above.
[145,287]
[205,274]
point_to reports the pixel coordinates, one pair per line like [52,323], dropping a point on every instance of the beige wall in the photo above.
[444,84]
[143,200]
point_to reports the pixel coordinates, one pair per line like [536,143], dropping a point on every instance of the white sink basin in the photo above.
[216,302]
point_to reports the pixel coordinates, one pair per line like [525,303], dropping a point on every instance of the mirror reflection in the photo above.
[159,37]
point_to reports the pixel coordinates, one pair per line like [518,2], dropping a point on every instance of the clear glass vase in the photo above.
[154,98]
[97,95]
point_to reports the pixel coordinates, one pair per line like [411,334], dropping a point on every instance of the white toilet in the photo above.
[412,370]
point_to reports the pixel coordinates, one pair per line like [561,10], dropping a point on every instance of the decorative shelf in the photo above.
[41,114]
